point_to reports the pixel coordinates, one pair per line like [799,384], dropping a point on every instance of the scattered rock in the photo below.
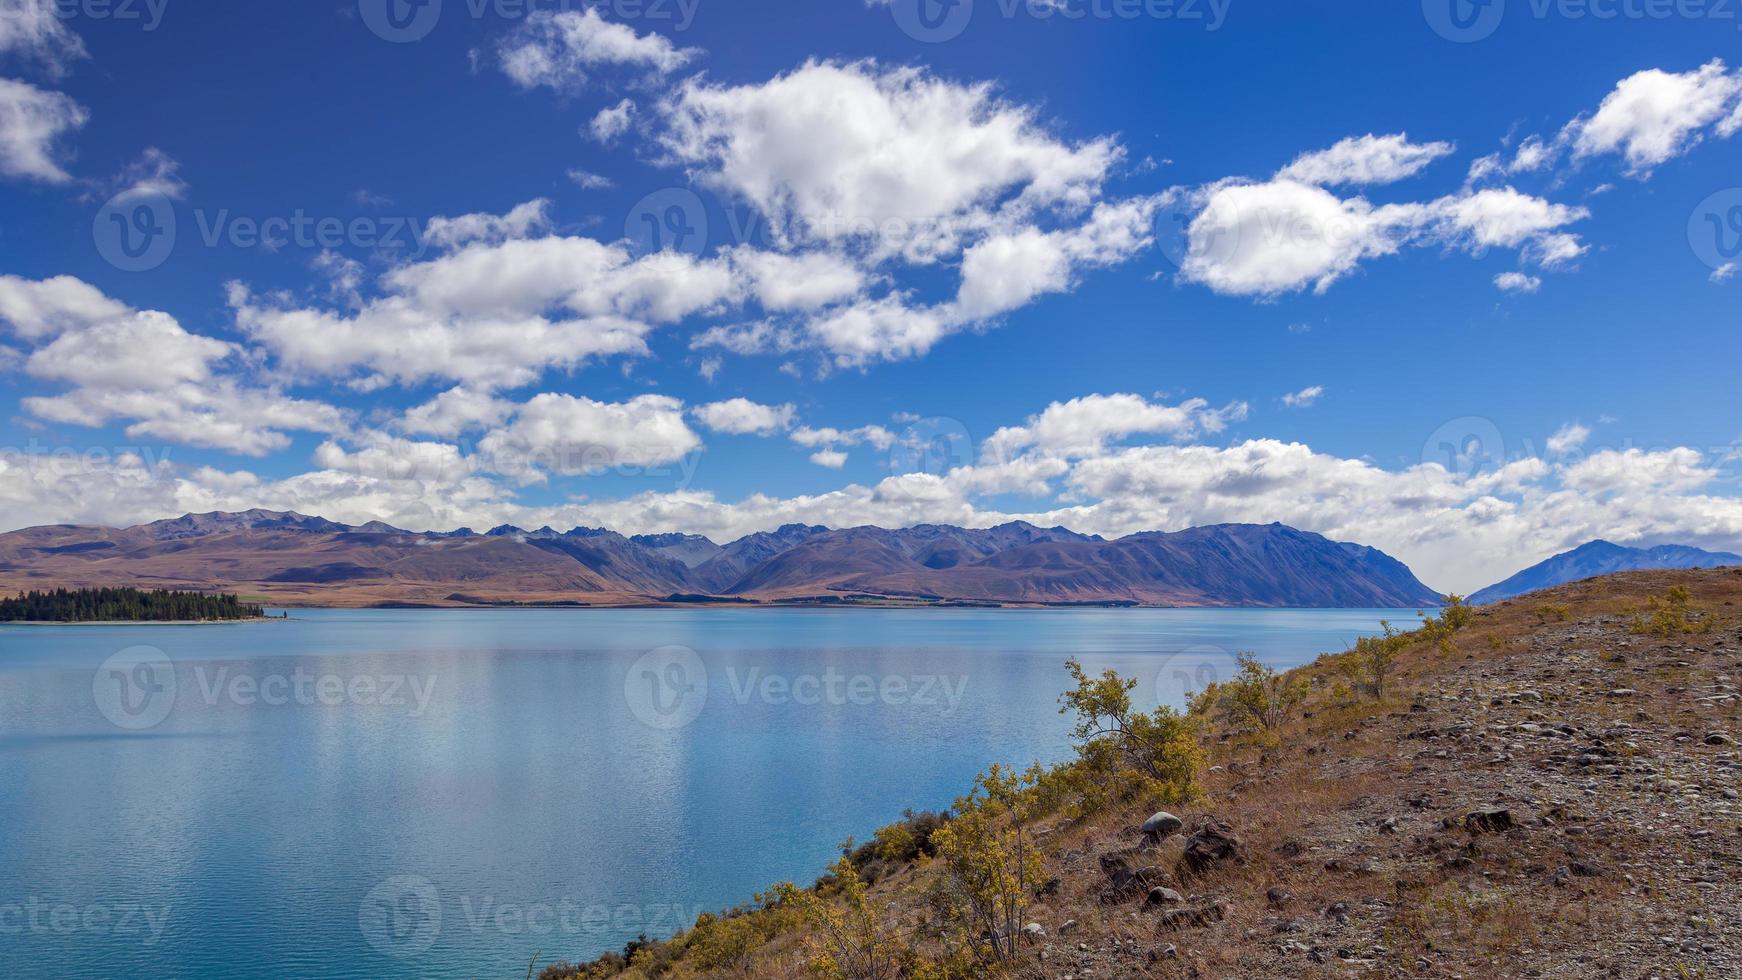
[1489,819]
[1213,843]
[1162,825]
[1164,896]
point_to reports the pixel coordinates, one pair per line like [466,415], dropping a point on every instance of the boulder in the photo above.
[1162,825]
[1164,896]
[1213,843]
[1490,819]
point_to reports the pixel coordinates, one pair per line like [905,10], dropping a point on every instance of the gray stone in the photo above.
[1163,824]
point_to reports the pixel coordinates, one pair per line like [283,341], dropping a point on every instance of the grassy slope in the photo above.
[1624,858]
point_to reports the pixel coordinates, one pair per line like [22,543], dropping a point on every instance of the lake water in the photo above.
[386,794]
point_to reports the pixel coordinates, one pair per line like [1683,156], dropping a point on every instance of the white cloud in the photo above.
[1517,282]
[890,157]
[455,412]
[1304,398]
[218,414]
[108,355]
[1085,426]
[32,123]
[35,30]
[388,458]
[1008,270]
[875,436]
[1366,159]
[832,459]
[590,181]
[612,122]
[1281,236]
[1724,272]
[571,436]
[522,221]
[559,49]
[1568,438]
[880,329]
[741,416]
[807,281]
[493,313]
[1654,116]
[143,368]
[36,309]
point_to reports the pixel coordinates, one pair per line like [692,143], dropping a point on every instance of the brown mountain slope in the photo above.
[295,559]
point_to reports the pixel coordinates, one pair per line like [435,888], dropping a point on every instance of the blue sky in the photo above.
[1100,259]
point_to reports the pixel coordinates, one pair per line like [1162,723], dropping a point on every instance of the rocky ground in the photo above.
[1554,796]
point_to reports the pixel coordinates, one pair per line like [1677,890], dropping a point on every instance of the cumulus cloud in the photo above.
[1281,236]
[558,49]
[576,436]
[41,308]
[32,124]
[743,417]
[1303,398]
[455,412]
[145,369]
[860,152]
[1365,160]
[1085,426]
[1654,116]
[832,459]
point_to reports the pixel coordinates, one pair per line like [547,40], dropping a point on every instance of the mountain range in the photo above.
[292,559]
[1601,558]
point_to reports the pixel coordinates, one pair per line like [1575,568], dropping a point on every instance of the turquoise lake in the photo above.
[397,794]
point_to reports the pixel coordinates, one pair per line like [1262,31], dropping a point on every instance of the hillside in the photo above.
[292,559]
[1546,787]
[1601,558]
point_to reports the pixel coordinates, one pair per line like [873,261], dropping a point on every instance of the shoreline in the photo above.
[150,622]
